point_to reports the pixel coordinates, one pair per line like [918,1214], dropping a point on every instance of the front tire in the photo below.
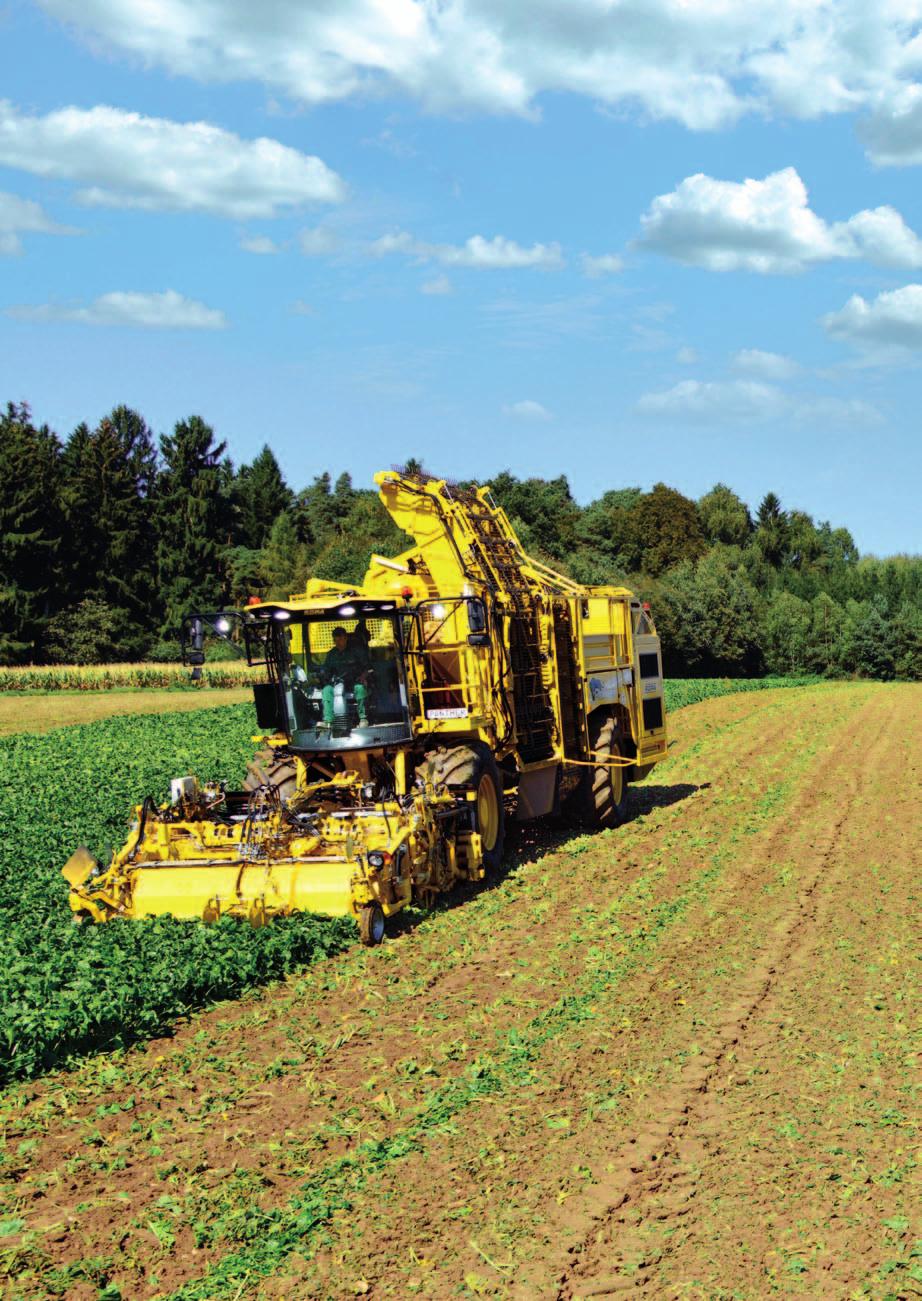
[473,768]
[270,768]
[371,924]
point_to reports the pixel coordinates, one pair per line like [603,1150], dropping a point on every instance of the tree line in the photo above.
[110,536]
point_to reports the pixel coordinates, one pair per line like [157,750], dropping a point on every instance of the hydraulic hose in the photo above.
[147,807]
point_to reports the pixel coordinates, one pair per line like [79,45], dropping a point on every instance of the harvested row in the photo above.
[476,1085]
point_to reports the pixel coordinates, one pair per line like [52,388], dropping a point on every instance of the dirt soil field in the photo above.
[33,711]
[679,1059]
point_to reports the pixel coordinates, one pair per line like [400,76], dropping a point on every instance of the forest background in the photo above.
[109,537]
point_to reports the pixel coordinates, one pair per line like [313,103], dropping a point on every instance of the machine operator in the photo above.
[348,663]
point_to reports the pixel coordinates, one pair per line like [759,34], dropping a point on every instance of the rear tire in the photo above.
[473,768]
[270,768]
[602,800]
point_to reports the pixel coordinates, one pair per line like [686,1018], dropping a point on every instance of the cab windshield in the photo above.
[343,681]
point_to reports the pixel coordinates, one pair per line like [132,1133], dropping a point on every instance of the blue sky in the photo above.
[624,241]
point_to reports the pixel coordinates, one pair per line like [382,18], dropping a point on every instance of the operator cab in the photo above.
[340,675]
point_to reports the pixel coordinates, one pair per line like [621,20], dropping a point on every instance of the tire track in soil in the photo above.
[450,989]
[820,1195]
[567,1075]
[655,1176]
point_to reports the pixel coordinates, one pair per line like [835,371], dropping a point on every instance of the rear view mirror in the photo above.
[476,614]
[477,622]
[195,655]
[269,715]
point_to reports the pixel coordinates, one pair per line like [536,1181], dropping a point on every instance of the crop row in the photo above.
[111,677]
[67,990]
[689,691]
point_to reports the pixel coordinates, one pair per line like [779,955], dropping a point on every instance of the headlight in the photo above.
[376,859]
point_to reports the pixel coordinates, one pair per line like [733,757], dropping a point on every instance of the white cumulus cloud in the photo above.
[605,264]
[893,132]
[262,245]
[528,409]
[493,254]
[764,365]
[703,63]
[768,226]
[714,400]
[163,311]
[318,241]
[822,412]
[24,217]
[438,285]
[891,322]
[744,402]
[125,160]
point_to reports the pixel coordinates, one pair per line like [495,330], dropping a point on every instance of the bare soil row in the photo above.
[559,1086]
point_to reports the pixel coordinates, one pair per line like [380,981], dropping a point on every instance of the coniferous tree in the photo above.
[261,495]
[30,533]
[314,513]
[866,645]
[108,480]
[366,529]
[190,523]
[772,530]
[282,560]
[90,581]
[906,630]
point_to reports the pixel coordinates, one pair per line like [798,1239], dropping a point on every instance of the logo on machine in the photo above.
[447,713]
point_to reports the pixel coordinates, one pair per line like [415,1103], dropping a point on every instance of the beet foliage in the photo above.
[67,990]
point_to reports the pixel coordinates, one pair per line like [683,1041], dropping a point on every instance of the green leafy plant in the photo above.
[68,990]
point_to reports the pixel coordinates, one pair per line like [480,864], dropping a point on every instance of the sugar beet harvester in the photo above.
[402,722]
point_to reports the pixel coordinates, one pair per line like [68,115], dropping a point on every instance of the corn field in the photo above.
[119,677]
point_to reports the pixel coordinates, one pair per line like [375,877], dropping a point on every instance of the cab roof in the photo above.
[341,606]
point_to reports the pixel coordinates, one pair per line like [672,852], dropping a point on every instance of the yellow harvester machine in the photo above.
[483,685]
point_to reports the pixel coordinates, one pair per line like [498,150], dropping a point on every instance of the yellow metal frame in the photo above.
[182,860]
